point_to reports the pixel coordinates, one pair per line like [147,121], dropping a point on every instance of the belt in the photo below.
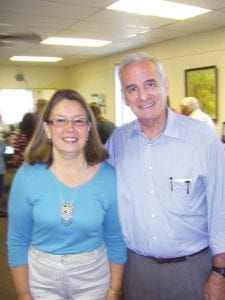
[158,260]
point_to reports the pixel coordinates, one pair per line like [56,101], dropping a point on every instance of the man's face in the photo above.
[144,90]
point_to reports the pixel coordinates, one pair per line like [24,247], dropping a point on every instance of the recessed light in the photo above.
[36,58]
[159,8]
[75,42]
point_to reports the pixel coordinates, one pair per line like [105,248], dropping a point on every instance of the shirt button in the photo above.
[152,192]
[154,238]
[150,167]
[153,216]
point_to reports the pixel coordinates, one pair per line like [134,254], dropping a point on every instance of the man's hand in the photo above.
[215,287]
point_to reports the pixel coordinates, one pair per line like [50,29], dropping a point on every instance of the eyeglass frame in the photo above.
[66,122]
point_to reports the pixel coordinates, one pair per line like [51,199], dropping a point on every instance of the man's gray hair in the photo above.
[191,103]
[141,56]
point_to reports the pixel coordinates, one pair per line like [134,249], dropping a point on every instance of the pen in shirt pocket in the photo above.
[187,181]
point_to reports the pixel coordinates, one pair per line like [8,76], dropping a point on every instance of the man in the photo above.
[40,106]
[171,193]
[190,107]
[105,127]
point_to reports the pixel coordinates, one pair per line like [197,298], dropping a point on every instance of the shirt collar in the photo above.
[170,130]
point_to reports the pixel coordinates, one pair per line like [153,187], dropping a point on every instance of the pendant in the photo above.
[67,213]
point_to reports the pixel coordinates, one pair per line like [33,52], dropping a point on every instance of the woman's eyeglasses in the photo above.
[64,122]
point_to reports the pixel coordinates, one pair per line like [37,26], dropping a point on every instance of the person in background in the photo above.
[3,211]
[171,190]
[40,106]
[1,127]
[22,138]
[64,235]
[4,128]
[190,107]
[105,126]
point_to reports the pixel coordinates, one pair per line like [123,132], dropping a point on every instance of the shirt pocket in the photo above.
[185,198]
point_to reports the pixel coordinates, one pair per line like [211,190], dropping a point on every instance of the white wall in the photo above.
[35,77]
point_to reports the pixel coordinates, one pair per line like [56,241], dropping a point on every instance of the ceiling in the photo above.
[90,19]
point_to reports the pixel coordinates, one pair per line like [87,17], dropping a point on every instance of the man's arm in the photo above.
[215,285]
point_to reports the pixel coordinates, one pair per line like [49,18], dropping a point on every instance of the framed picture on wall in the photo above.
[99,98]
[201,83]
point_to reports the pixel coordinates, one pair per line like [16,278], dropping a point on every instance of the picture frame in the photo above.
[223,132]
[99,98]
[201,83]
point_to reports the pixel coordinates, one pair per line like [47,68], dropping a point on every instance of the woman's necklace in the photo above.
[67,207]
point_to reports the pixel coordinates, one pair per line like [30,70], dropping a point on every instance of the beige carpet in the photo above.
[6,287]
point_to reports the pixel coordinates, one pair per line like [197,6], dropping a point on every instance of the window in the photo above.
[14,104]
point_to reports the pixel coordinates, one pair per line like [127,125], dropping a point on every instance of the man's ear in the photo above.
[165,87]
[124,97]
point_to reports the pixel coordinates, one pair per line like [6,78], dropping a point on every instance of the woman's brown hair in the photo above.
[39,149]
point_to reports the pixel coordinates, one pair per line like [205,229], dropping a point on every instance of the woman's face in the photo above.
[68,128]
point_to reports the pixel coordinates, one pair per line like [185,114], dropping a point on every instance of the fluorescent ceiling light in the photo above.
[36,58]
[75,42]
[159,8]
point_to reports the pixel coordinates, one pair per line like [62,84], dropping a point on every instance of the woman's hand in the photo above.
[24,296]
[114,295]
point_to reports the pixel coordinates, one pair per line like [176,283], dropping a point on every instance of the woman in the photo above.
[64,236]
[3,212]
[22,138]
